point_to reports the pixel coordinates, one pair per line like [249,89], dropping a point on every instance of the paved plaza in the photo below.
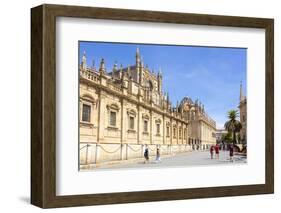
[195,158]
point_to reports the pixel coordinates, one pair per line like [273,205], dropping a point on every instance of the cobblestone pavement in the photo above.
[195,158]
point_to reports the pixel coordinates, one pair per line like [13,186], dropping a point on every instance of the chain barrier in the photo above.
[110,152]
[85,146]
[134,149]
[152,150]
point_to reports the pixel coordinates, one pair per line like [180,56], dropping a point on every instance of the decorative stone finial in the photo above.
[138,59]
[142,64]
[160,72]
[115,66]
[84,61]
[102,66]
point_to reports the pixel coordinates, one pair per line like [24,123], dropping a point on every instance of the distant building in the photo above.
[243,115]
[124,110]
[219,134]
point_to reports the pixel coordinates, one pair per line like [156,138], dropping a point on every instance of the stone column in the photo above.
[171,131]
[139,123]
[80,110]
[123,130]
[102,115]
[202,132]
[182,133]
[177,132]
[97,154]
[164,135]
[151,128]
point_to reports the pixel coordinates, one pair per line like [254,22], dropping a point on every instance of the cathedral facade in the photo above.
[243,116]
[124,110]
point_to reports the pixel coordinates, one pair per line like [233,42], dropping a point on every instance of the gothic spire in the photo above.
[102,66]
[121,73]
[138,58]
[160,72]
[115,66]
[84,61]
[114,70]
[241,92]
[129,71]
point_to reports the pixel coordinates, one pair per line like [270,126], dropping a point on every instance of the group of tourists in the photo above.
[216,149]
[146,155]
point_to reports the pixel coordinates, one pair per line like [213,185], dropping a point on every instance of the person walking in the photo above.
[158,155]
[146,155]
[212,152]
[217,150]
[231,152]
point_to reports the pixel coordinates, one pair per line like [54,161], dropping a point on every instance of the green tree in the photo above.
[233,125]
[227,137]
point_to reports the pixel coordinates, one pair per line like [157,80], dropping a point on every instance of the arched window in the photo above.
[87,102]
[180,133]
[174,132]
[158,126]
[168,129]
[112,111]
[86,113]
[145,118]
[131,118]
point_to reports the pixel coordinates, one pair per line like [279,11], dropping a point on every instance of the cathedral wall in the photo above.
[167,132]
[131,132]
[174,132]
[88,130]
[157,128]
[145,119]
[110,104]
[135,88]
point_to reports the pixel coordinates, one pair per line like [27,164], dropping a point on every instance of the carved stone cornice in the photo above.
[113,107]
[104,89]
[131,112]
[145,116]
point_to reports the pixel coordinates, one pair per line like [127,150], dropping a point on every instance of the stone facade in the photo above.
[243,116]
[125,110]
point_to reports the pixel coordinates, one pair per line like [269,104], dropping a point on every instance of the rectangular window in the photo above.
[180,133]
[145,125]
[131,122]
[168,131]
[112,118]
[86,113]
[158,129]
[174,132]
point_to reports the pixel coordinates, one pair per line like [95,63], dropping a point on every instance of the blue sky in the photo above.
[210,74]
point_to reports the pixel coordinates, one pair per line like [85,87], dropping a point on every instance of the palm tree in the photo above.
[233,125]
